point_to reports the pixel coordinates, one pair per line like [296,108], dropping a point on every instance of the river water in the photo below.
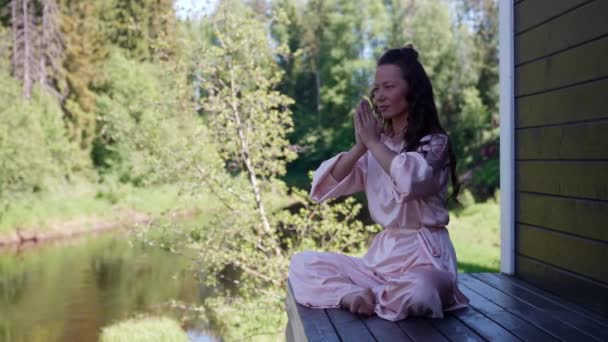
[69,291]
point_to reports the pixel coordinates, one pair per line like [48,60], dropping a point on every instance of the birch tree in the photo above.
[249,119]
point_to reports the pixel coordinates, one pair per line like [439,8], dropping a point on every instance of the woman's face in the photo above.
[389,91]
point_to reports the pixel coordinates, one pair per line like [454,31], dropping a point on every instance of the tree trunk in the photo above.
[28,82]
[51,50]
[318,87]
[24,63]
[249,165]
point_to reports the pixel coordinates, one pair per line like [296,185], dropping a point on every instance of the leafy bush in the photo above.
[34,147]
[151,329]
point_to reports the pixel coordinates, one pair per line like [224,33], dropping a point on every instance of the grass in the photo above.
[42,209]
[475,232]
[257,319]
[149,329]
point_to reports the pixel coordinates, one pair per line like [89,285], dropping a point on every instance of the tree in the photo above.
[52,46]
[25,59]
[34,149]
[37,46]
[248,117]
[83,64]
[140,27]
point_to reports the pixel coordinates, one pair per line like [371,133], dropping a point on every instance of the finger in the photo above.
[365,104]
[368,107]
[364,118]
[368,113]
[365,109]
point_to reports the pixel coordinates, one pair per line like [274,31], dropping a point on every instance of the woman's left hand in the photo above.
[368,127]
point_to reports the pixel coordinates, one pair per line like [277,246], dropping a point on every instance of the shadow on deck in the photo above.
[502,308]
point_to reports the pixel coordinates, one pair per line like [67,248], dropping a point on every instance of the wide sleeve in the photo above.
[325,186]
[417,174]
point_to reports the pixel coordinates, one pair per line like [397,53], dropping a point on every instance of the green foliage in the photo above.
[127,102]
[248,118]
[475,232]
[143,29]
[262,318]
[328,226]
[34,147]
[84,54]
[6,46]
[469,126]
[487,180]
[148,329]
[145,132]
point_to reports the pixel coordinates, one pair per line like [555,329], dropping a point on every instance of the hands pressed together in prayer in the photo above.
[367,127]
[367,133]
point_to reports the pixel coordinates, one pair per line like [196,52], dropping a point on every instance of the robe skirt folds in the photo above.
[411,264]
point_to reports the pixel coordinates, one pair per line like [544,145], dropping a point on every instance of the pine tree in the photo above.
[162,27]
[143,28]
[52,46]
[86,51]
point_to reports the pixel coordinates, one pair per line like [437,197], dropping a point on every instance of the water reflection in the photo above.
[69,292]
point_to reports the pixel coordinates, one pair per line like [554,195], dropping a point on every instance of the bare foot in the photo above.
[360,302]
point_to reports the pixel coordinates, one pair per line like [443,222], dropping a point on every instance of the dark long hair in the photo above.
[423,118]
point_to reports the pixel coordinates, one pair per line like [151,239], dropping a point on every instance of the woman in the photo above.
[403,164]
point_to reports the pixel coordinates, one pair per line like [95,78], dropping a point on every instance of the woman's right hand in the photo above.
[358,111]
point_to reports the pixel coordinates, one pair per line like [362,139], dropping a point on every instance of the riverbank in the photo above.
[81,209]
[87,209]
[124,219]
[71,228]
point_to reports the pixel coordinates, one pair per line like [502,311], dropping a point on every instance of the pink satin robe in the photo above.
[411,264]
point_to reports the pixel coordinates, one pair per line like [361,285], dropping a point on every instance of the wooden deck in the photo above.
[502,308]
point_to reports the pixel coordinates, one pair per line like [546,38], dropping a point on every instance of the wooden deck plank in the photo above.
[502,308]
[483,326]
[349,327]
[420,329]
[557,300]
[560,312]
[519,327]
[454,329]
[524,310]
[384,330]
[307,324]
